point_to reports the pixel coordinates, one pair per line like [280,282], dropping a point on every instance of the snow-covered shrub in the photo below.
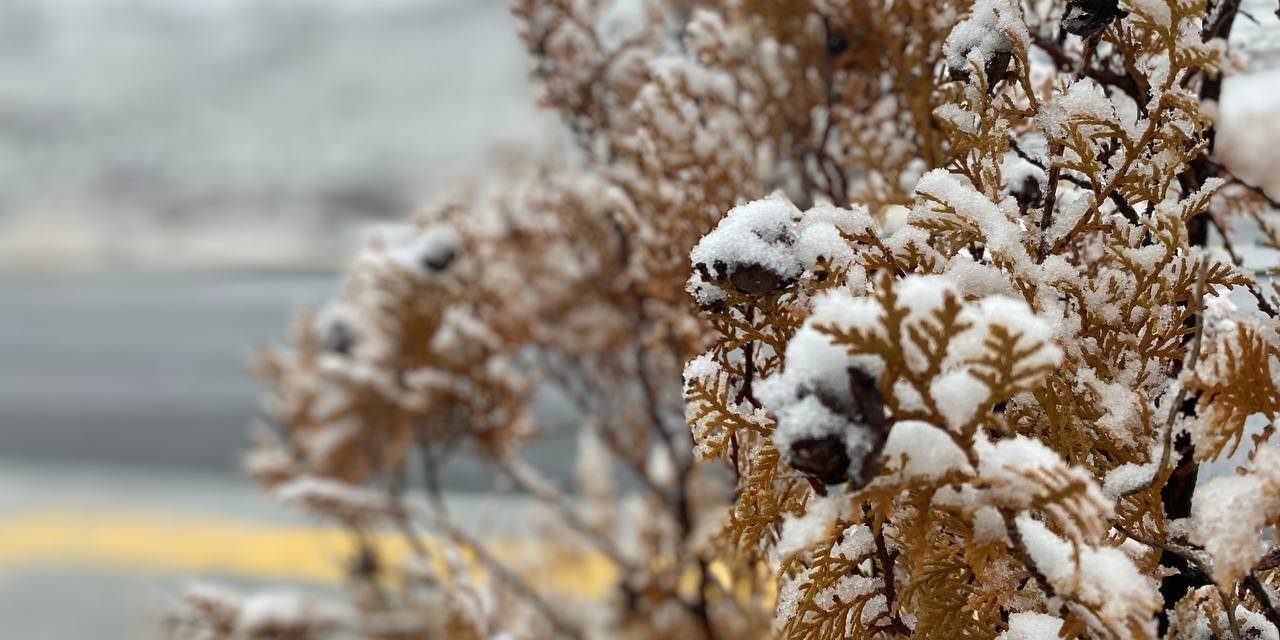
[932,281]
[1048,323]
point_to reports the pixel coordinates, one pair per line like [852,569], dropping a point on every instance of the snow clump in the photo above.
[762,246]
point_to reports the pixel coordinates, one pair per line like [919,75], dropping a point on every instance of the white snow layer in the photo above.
[1029,625]
[986,32]
[1104,577]
[1229,513]
[772,236]
[920,450]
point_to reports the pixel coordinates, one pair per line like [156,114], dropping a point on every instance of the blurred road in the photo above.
[137,369]
[144,370]
[91,550]
[149,371]
[123,405]
[123,409]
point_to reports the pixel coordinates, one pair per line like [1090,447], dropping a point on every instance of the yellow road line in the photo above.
[151,542]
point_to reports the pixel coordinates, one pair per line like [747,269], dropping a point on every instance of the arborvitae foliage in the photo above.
[938,277]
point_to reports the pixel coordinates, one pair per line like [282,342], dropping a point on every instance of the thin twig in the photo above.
[1270,560]
[1191,557]
[1193,357]
[1262,193]
[1119,200]
[439,517]
[582,400]
[1050,198]
[1263,596]
[1263,304]
[887,559]
[517,584]
[830,169]
[682,508]
[1182,552]
[529,480]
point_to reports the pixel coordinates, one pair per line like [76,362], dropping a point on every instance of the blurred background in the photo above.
[175,175]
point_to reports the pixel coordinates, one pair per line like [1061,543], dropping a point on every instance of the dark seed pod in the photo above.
[1087,17]
[869,404]
[837,44]
[438,260]
[719,270]
[1028,193]
[339,338]
[824,457]
[997,69]
[754,279]
[751,279]
[364,564]
[1188,407]
[829,459]
[721,258]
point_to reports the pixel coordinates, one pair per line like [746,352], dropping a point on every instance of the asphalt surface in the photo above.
[149,372]
[103,551]
[124,403]
[125,396]
[124,406]
[140,370]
